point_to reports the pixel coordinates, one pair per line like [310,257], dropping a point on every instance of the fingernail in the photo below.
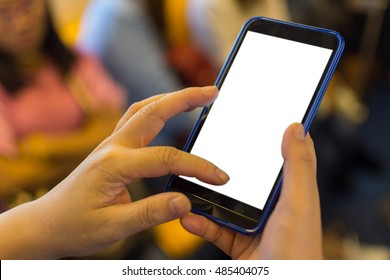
[223,176]
[178,206]
[210,88]
[299,132]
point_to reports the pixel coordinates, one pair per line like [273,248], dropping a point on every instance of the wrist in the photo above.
[24,234]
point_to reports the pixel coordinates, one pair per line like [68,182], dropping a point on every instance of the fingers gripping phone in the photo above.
[276,74]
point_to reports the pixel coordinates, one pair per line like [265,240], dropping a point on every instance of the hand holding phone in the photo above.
[293,231]
[276,74]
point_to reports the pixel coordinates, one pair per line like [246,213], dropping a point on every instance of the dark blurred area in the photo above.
[157,46]
[352,136]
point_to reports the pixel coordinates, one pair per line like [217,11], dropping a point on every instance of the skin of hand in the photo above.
[91,209]
[293,230]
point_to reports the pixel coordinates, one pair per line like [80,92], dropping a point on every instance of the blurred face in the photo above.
[22,26]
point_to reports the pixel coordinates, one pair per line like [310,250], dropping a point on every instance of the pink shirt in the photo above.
[47,106]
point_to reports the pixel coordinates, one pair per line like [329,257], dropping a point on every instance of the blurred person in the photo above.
[214,24]
[56,104]
[123,35]
[92,208]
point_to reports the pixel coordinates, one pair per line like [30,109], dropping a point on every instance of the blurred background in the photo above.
[153,46]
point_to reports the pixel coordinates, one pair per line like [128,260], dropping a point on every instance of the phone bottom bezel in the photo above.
[218,207]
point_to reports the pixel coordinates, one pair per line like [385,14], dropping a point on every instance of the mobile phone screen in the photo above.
[269,85]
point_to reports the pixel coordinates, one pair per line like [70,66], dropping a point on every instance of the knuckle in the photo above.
[150,215]
[168,156]
[304,153]
[104,159]
[135,107]
[218,234]
[150,109]
[312,150]
[309,156]
[103,156]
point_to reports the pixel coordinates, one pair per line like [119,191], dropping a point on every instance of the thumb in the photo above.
[299,163]
[151,211]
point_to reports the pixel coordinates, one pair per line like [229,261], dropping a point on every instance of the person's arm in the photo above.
[92,209]
[293,230]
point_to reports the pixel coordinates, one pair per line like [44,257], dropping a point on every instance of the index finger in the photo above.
[148,121]
[134,108]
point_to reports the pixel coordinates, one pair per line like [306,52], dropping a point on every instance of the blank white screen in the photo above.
[268,87]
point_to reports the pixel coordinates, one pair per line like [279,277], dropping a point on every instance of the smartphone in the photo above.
[276,74]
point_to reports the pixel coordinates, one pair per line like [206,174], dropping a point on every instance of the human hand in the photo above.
[92,209]
[293,230]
